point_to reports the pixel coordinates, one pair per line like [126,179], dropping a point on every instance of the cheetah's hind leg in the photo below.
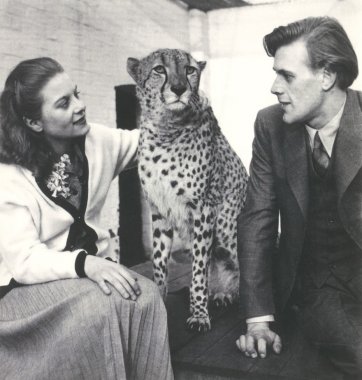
[162,244]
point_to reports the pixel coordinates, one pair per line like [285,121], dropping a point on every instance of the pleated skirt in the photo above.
[69,329]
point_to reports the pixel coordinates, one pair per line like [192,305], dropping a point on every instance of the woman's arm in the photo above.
[28,259]
[30,262]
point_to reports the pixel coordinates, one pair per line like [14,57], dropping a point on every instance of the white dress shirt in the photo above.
[328,133]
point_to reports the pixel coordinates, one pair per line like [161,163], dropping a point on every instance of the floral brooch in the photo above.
[57,182]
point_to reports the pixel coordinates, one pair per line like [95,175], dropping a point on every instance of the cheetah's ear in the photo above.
[132,68]
[201,64]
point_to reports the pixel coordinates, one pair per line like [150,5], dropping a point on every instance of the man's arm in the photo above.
[257,233]
[258,228]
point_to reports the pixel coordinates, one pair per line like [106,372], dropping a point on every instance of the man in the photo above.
[307,170]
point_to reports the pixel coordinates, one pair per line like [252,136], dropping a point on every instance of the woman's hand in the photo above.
[103,271]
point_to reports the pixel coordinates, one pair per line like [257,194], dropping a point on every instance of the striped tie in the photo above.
[320,156]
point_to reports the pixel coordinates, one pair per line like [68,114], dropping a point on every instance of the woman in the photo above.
[66,312]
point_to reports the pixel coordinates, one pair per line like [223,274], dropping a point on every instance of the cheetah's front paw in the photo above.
[200,324]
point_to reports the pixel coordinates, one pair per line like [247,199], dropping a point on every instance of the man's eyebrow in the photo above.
[283,71]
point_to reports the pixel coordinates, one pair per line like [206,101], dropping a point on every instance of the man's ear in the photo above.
[33,125]
[328,79]
[201,64]
[132,68]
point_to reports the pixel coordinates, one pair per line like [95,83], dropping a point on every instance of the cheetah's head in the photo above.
[167,79]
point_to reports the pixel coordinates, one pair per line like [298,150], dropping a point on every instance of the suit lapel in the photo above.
[296,161]
[348,149]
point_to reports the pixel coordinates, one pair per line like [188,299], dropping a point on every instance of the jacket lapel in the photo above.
[296,161]
[348,150]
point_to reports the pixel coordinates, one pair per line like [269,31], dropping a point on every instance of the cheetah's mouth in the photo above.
[176,104]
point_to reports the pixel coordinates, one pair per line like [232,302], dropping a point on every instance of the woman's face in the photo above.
[62,113]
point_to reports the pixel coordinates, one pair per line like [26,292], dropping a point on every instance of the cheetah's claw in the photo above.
[221,300]
[198,324]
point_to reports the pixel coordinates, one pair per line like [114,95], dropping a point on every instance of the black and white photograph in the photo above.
[180,190]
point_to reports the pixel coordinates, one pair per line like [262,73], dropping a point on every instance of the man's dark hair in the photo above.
[327,44]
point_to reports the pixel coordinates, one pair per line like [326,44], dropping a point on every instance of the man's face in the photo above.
[297,86]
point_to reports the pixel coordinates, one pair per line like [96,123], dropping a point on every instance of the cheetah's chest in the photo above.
[174,173]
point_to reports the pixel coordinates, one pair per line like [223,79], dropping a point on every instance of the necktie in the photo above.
[320,156]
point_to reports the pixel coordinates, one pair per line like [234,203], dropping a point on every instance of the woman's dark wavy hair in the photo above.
[22,98]
[327,43]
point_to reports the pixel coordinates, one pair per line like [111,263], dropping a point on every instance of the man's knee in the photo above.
[346,358]
[328,325]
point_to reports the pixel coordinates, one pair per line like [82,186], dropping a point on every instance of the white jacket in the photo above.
[34,230]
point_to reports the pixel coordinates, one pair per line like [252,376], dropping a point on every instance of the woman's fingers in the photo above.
[102,284]
[104,271]
[132,281]
[124,282]
[122,285]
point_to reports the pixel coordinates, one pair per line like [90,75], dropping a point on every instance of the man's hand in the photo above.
[256,340]
[103,271]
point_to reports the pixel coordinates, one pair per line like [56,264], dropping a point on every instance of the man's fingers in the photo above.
[277,344]
[262,347]
[250,346]
[241,343]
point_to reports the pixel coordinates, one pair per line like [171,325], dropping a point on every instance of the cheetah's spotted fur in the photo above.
[194,181]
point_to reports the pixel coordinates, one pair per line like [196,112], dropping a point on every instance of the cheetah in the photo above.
[193,180]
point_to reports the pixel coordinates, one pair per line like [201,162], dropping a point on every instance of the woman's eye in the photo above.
[159,69]
[64,103]
[190,70]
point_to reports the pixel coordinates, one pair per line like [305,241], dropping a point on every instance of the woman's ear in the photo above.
[33,124]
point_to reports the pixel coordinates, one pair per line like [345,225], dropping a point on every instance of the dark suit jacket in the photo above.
[278,185]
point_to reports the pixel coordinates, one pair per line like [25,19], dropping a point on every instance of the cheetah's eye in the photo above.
[190,70]
[159,69]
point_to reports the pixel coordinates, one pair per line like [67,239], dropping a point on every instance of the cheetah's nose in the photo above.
[178,90]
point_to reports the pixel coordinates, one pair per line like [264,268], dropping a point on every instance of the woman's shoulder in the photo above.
[10,171]
[17,182]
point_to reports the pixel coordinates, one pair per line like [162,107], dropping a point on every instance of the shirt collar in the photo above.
[328,132]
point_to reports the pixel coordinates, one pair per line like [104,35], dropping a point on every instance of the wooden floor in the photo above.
[214,356]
